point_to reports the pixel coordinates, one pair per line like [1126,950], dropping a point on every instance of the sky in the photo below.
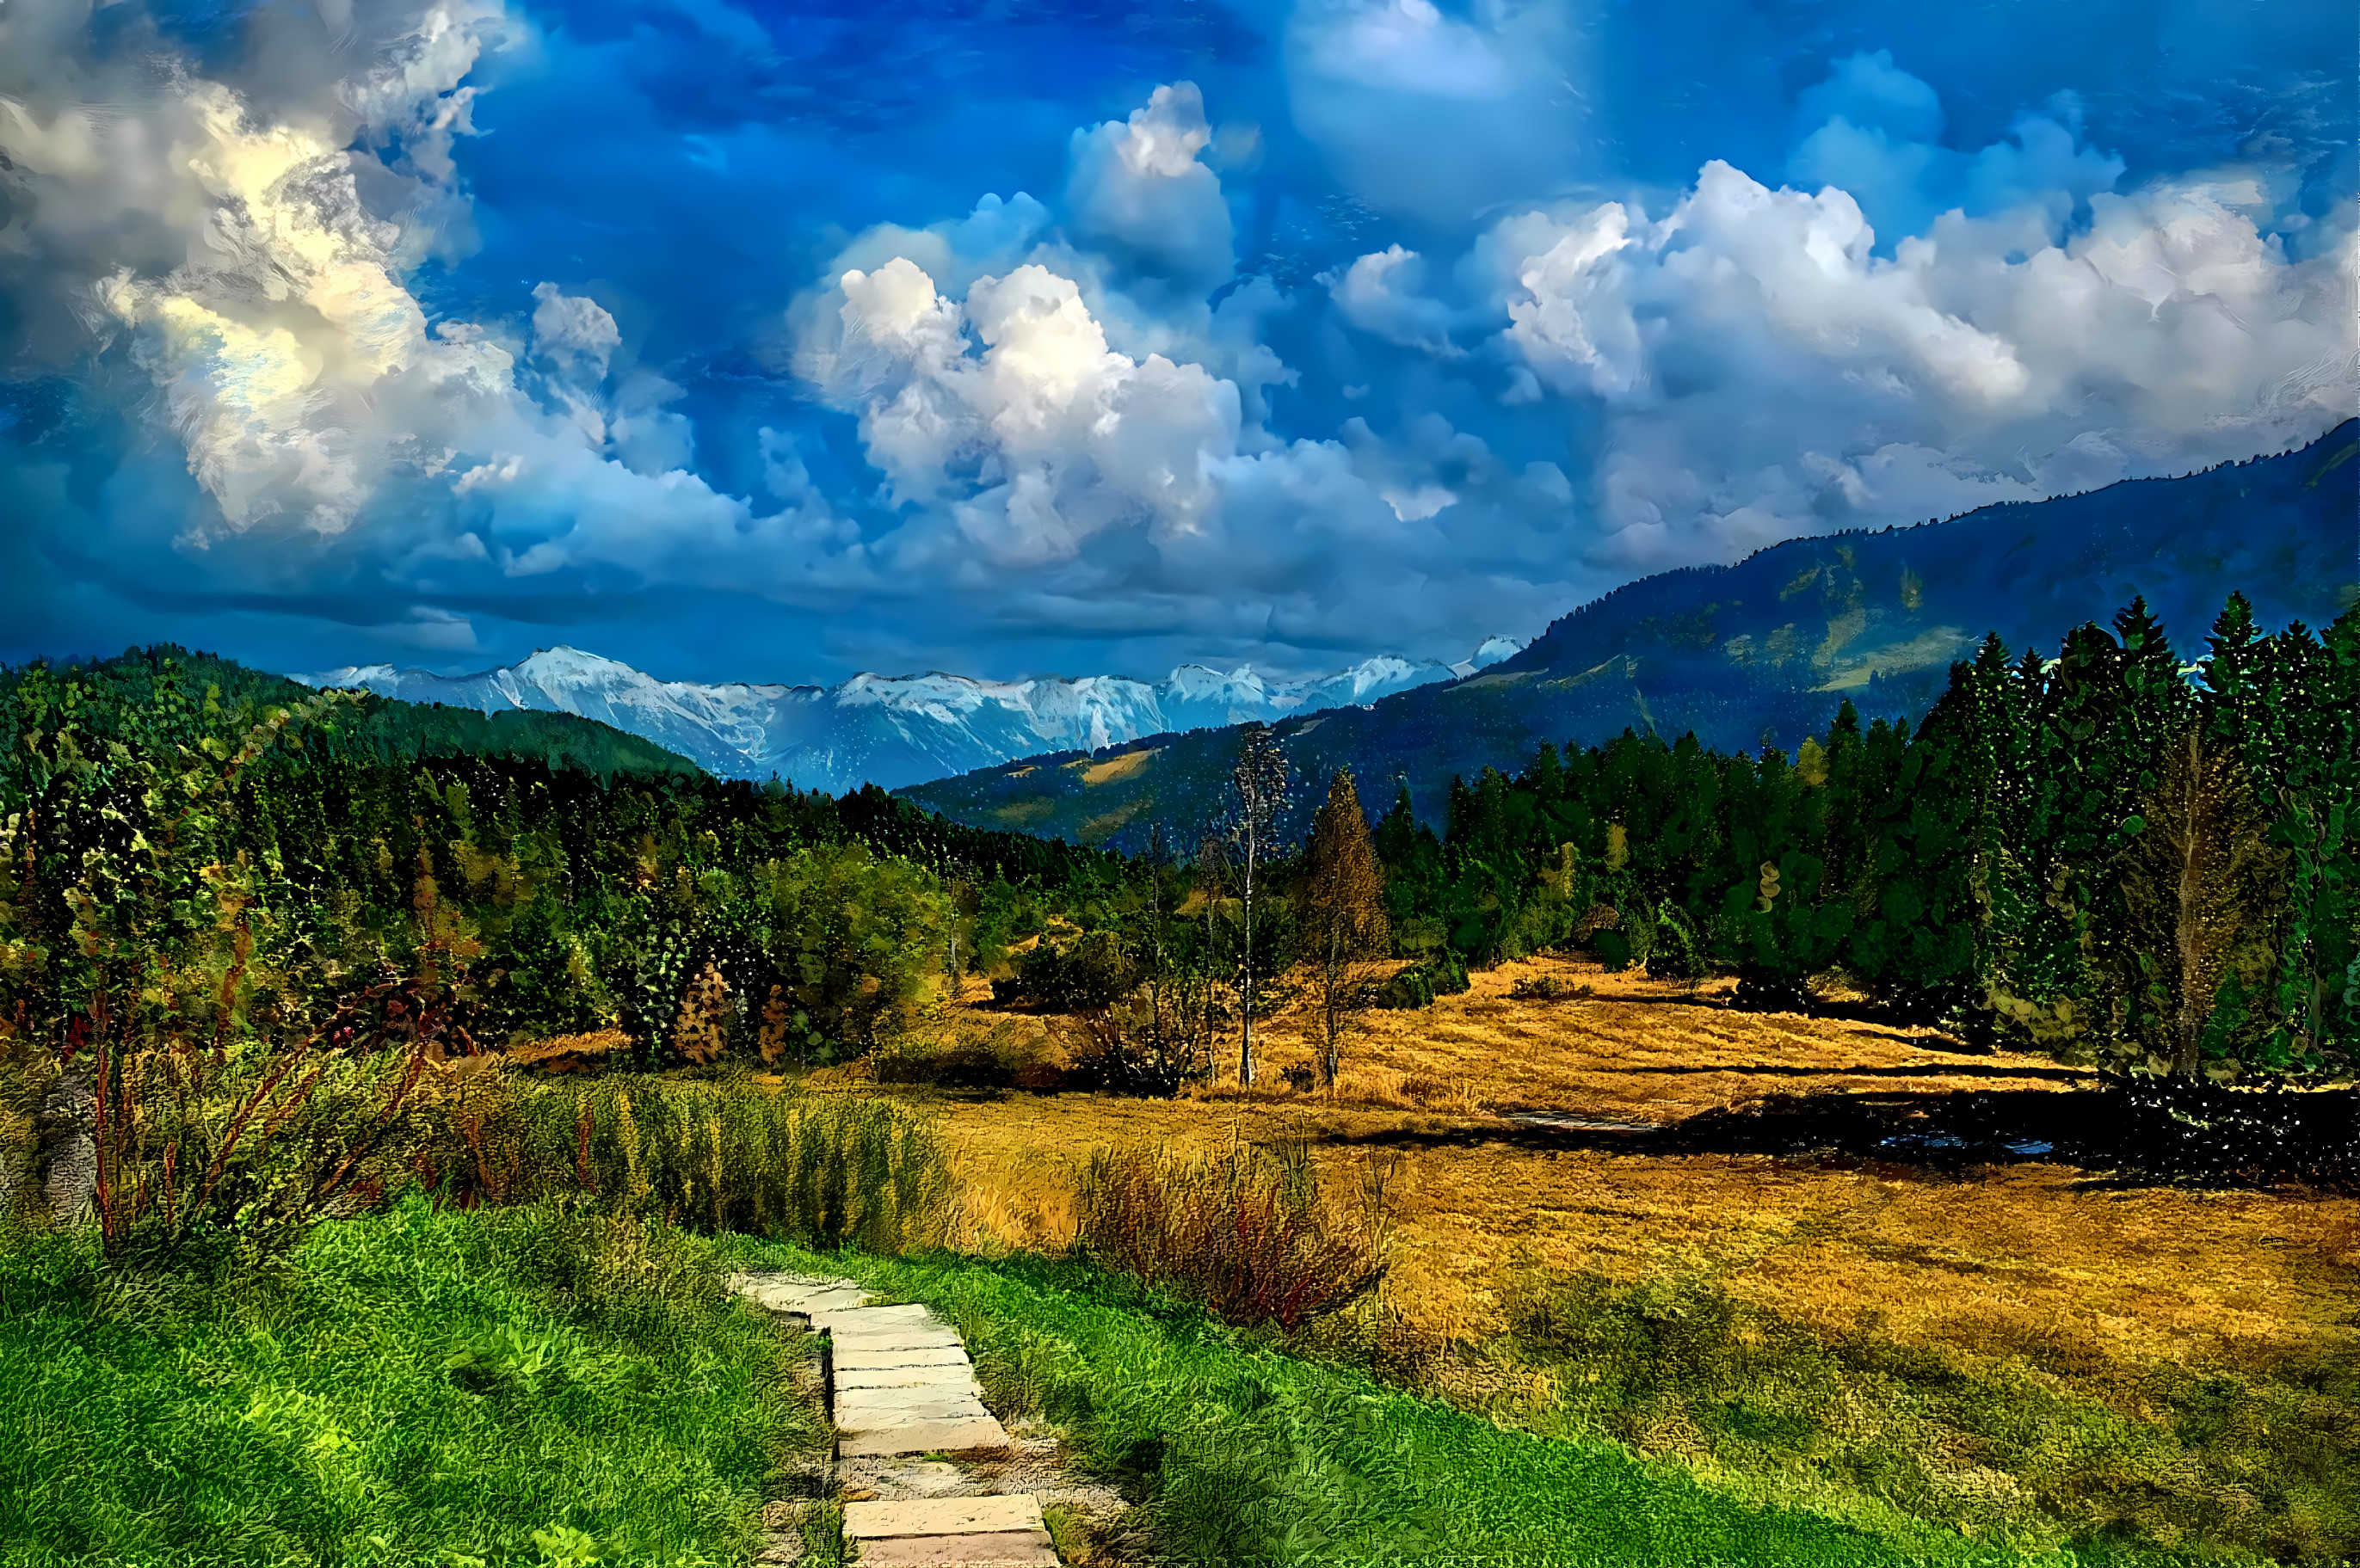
[781,342]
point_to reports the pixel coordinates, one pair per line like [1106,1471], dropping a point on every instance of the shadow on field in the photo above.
[2125,1134]
[1907,1070]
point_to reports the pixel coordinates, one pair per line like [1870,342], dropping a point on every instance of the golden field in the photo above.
[2030,1258]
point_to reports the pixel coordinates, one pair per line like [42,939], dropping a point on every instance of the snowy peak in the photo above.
[1491,651]
[893,730]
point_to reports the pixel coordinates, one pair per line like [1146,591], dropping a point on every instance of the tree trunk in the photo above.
[1245,1047]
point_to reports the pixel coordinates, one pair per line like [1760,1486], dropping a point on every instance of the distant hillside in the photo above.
[894,730]
[1761,652]
[380,730]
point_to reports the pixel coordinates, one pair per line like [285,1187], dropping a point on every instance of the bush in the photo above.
[1247,1233]
[1155,1042]
[1441,973]
[1006,1058]
[1089,974]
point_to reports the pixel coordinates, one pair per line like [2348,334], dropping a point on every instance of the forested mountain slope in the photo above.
[1761,653]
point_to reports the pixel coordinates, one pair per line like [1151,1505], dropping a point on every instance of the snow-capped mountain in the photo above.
[896,730]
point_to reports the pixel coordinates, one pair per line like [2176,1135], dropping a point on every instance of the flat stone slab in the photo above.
[799,1294]
[924,1437]
[853,1416]
[916,1358]
[893,1337]
[955,1376]
[854,1318]
[998,1549]
[942,1516]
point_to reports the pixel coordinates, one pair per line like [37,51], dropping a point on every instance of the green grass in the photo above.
[2253,1463]
[519,1387]
[1252,1458]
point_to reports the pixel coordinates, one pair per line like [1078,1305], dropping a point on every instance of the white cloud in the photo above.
[1042,439]
[1137,191]
[1380,293]
[1408,46]
[577,337]
[1761,373]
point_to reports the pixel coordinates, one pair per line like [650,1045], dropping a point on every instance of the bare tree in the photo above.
[1344,911]
[2198,874]
[1259,779]
[1212,880]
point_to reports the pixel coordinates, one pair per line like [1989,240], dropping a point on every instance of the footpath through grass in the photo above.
[1251,1458]
[505,1388]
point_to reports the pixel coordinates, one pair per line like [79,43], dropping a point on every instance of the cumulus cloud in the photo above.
[1043,438]
[1055,424]
[267,307]
[1137,190]
[261,296]
[1761,372]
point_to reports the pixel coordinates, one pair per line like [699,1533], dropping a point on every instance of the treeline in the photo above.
[2106,853]
[190,851]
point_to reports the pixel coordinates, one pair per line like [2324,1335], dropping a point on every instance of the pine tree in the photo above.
[1344,911]
[2196,879]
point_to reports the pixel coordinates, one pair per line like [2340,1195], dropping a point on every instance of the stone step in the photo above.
[942,1516]
[929,1407]
[857,1358]
[886,1438]
[957,1375]
[889,1336]
[858,1318]
[1000,1549]
[797,1294]
[936,1532]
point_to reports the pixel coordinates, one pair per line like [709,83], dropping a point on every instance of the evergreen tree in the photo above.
[1343,922]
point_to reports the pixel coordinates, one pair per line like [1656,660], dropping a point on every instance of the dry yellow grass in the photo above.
[2009,1257]
[1116,767]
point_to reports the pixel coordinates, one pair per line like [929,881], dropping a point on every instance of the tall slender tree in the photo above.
[2196,881]
[1259,779]
[1344,922]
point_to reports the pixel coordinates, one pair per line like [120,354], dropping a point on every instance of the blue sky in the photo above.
[778,342]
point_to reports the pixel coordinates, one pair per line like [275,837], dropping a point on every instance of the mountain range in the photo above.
[894,731]
[1759,653]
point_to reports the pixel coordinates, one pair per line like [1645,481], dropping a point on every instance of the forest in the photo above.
[272,958]
[2113,855]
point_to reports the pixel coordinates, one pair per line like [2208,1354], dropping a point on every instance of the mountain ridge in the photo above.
[894,731]
[1762,651]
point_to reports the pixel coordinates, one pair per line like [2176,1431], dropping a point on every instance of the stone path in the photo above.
[897,1382]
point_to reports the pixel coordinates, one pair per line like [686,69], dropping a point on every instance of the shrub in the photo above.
[1441,973]
[1247,1233]
[1087,975]
[1154,1042]
[1006,1058]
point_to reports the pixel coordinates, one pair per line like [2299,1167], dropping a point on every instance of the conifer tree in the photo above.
[2196,879]
[1344,922]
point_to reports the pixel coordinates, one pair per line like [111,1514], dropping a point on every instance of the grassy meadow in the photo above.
[2024,1350]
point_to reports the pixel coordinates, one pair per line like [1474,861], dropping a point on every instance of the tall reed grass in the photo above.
[269,1141]
[828,1170]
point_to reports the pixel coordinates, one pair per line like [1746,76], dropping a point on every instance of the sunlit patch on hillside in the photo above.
[1114,768]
